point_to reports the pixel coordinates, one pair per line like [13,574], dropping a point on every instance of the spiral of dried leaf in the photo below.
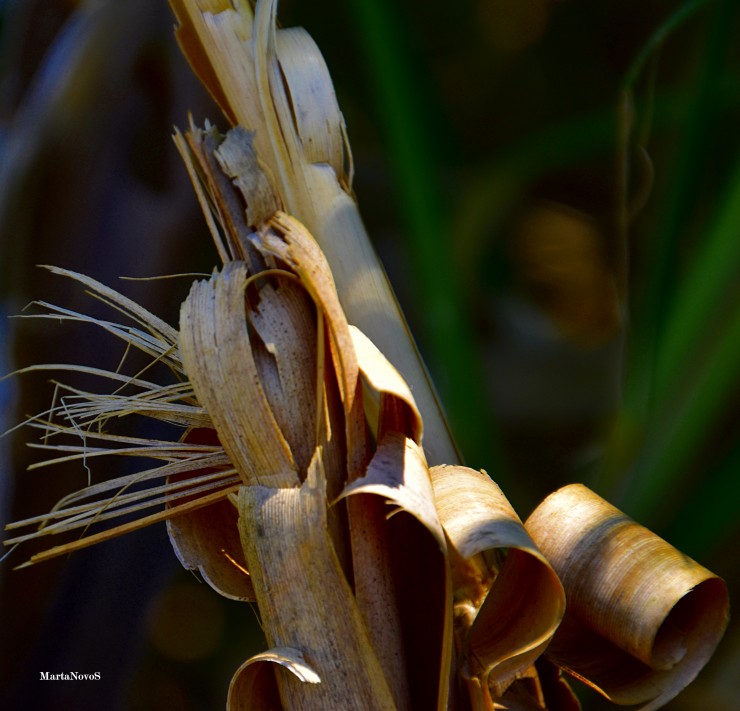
[642,618]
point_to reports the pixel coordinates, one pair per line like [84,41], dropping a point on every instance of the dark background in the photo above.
[568,342]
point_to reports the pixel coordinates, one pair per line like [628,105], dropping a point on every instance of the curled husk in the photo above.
[301,480]
[507,607]
[642,618]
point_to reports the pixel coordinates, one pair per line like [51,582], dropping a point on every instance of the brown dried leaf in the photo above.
[386,380]
[207,540]
[275,83]
[217,354]
[239,161]
[305,600]
[642,618]
[512,612]
[285,322]
[398,472]
[422,621]
[315,113]
[289,241]
[254,688]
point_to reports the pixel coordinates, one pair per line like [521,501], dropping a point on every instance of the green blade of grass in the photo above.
[656,39]
[668,381]
[713,273]
[660,478]
[657,307]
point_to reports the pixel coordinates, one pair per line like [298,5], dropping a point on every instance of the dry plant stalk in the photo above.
[275,83]
[301,480]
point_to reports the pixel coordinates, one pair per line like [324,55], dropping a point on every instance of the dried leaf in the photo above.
[239,161]
[74,426]
[314,110]
[253,687]
[386,380]
[513,611]
[207,540]
[399,474]
[304,598]
[642,618]
[217,354]
[232,189]
[275,83]
[289,241]
[153,324]
[284,320]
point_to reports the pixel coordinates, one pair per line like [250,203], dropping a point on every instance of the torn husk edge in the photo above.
[275,82]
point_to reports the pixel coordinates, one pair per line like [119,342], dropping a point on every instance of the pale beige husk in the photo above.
[275,82]
[305,600]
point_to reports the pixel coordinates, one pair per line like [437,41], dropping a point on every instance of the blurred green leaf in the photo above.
[407,117]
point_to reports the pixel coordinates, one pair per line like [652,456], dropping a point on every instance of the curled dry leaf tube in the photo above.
[642,618]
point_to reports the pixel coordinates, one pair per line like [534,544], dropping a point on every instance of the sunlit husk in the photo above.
[222,319]
[217,353]
[371,540]
[305,600]
[311,492]
[507,608]
[642,618]
[254,687]
[275,82]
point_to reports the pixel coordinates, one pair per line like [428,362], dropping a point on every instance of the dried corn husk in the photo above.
[642,618]
[217,352]
[398,473]
[196,535]
[215,338]
[376,588]
[254,687]
[507,609]
[275,83]
[286,540]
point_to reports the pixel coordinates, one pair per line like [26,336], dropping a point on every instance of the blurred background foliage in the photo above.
[554,188]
